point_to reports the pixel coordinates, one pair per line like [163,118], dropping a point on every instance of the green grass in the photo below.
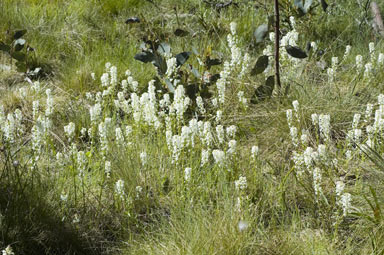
[161,211]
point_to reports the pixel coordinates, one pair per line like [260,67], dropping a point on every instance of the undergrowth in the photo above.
[153,131]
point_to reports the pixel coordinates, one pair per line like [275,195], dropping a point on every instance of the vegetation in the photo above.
[157,127]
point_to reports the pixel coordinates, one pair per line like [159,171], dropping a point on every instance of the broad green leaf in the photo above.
[19,44]
[195,72]
[19,33]
[144,57]
[182,57]
[170,86]
[298,4]
[21,67]
[261,65]
[164,48]
[4,47]
[181,33]
[300,7]
[265,90]
[307,5]
[132,20]
[212,62]
[261,32]
[19,56]
[295,52]
[161,64]
[324,5]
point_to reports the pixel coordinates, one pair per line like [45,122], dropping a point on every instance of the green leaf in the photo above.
[132,20]
[195,72]
[194,50]
[261,65]
[265,91]
[19,44]
[298,4]
[324,5]
[19,33]
[300,7]
[19,56]
[212,62]
[5,47]
[170,86]
[182,57]
[164,48]
[161,64]
[295,52]
[21,67]
[144,57]
[307,5]
[261,32]
[191,91]
[181,33]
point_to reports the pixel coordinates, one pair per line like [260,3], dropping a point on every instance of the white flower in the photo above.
[119,136]
[339,189]
[113,72]
[331,75]
[64,197]
[359,62]
[187,174]
[200,105]
[304,138]
[325,126]
[171,67]
[35,109]
[207,134]
[242,99]
[8,251]
[356,119]
[335,62]
[219,157]
[243,225]
[231,147]
[368,69]
[241,183]
[233,27]
[220,133]
[219,115]
[317,181]
[231,131]
[104,80]
[143,158]
[372,50]
[345,202]
[204,157]
[81,163]
[294,134]
[103,134]
[36,86]
[254,152]
[139,190]
[315,119]
[368,112]
[49,109]
[69,130]
[293,22]
[347,51]
[308,157]
[95,112]
[289,117]
[119,188]
[107,169]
